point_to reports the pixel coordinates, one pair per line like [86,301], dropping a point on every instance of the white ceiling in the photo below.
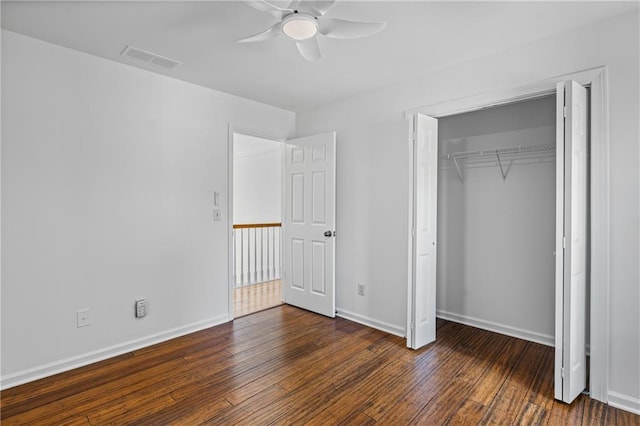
[420,36]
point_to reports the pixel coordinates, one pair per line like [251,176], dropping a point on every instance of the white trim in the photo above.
[370,322]
[532,336]
[507,96]
[409,123]
[624,402]
[71,363]
[559,236]
[230,249]
[600,237]
[596,78]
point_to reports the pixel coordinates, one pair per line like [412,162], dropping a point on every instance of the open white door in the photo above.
[571,241]
[308,228]
[425,225]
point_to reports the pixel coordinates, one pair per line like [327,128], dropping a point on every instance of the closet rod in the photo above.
[497,152]
[500,151]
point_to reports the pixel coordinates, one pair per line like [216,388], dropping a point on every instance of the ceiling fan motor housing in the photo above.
[299,26]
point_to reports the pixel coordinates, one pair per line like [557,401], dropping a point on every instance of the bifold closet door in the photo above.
[571,240]
[425,225]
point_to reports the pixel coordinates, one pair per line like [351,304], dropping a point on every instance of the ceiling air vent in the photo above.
[152,58]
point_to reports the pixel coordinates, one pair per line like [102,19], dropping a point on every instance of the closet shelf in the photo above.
[497,153]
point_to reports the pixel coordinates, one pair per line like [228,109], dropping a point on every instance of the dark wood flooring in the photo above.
[288,366]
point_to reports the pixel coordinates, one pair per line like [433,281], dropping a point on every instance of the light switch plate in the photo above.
[83,318]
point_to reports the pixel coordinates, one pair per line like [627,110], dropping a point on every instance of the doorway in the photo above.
[598,207]
[257,211]
[496,219]
[298,252]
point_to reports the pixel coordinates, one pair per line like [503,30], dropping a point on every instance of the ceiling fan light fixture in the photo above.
[299,26]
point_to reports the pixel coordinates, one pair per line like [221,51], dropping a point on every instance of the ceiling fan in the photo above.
[302,21]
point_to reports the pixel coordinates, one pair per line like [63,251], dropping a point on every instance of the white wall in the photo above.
[373,179]
[108,175]
[496,267]
[257,180]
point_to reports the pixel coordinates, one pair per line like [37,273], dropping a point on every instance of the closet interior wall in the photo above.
[496,227]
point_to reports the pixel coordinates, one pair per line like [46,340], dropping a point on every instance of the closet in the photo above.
[496,219]
[501,221]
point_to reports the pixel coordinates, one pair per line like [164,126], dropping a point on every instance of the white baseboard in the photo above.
[498,328]
[624,402]
[29,375]
[370,322]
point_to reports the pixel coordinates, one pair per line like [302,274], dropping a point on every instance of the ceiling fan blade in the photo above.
[341,28]
[309,49]
[275,30]
[269,8]
[316,7]
[294,4]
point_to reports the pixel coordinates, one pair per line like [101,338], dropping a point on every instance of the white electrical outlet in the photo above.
[141,308]
[83,318]
[360,289]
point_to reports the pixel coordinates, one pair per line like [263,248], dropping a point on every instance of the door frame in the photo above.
[599,262]
[232,130]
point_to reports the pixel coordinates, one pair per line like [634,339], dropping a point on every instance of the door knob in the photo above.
[328,233]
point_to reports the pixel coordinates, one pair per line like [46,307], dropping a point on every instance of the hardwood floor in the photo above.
[288,366]
[257,297]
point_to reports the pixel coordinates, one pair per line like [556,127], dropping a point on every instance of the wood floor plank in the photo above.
[437,382]
[131,408]
[469,412]
[359,394]
[596,411]
[541,390]
[565,414]
[305,401]
[294,369]
[624,418]
[289,366]
[493,377]
[64,409]
[483,358]
[239,374]
[177,413]
[508,401]
[238,413]
[356,419]
[532,414]
[439,406]
[359,343]
[105,372]
[422,363]
[474,373]
[14,396]
[304,398]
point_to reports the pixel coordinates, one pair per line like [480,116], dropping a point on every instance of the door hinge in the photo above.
[564,242]
[562,372]
[564,111]
[413,232]
[412,326]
